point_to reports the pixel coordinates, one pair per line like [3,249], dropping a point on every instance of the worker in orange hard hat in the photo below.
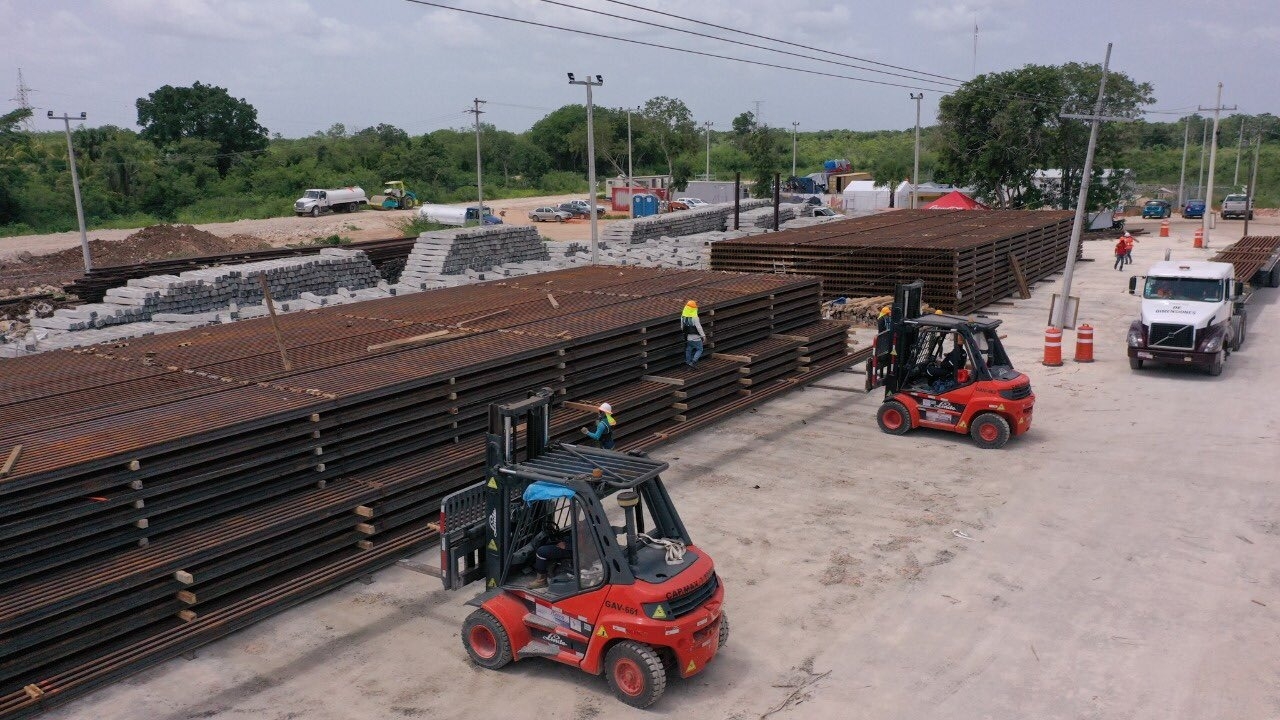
[694,336]
[884,332]
[603,432]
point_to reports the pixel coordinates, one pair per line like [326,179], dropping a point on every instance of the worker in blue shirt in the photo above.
[603,432]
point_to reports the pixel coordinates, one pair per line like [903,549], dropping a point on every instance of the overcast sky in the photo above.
[307,64]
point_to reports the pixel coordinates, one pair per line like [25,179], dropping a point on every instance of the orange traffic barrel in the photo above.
[1164,228]
[1084,344]
[1053,346]
[1199,241]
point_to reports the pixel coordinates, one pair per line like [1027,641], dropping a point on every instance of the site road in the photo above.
[1118,561]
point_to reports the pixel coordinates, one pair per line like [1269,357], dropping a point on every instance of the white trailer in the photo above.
[456,216]
[314,202]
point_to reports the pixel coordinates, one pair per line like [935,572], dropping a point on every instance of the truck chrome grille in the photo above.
[1168,335]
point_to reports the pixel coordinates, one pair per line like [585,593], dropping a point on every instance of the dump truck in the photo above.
[316,201]
[633,599]
[394,197]
[1193,311]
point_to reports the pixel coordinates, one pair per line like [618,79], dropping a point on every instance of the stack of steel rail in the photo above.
[966,257]
[93,285]
[1255,259]
[164,491]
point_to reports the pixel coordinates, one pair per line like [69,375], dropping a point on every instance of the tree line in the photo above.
[202,156]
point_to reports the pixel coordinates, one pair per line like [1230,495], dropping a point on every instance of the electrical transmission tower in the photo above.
[24,101]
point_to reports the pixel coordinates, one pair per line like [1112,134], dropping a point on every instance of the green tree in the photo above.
[12,175]
[669,128]
[998,129]
[202,112]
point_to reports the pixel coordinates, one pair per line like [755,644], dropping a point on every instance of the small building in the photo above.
[715,191]
[836,183]
[929,191]
[864,196]
[620,194]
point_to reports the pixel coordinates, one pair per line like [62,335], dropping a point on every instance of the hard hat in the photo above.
[885,310]
[606,408]
[692,304]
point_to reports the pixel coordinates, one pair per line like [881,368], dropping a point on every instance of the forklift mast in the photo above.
[889,365]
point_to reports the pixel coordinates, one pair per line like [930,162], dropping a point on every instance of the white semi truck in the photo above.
[1192,314]
[314,202]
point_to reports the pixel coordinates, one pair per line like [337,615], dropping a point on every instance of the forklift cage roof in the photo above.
[565,463]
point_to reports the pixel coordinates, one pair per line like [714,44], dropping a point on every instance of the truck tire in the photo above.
[1135,363]
[1275,276]
[893,418]
[1214,368]
[989,431]
[486,640]
[635,673]
[315,211]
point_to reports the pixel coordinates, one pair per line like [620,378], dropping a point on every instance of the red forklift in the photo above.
[965,386]
[631,597]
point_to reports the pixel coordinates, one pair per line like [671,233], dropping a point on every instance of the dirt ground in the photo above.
[1118,561]
[365,225]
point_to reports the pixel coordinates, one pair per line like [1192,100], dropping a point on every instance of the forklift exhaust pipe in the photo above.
[628,500]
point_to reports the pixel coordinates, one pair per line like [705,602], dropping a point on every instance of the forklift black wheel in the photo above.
[989,431]
[894,418]
[485,640]
[724,630]
[635,673]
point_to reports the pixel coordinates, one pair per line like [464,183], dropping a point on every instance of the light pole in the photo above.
[915,165]
[708,125]
[75,187]
[1204,141]
[479,173]
[795,125]
[1182,177]
[1235,182]
[591,161]
[629,175]
[1213,156]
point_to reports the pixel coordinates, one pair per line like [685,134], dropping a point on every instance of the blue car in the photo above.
[1158,209]
[1193,209]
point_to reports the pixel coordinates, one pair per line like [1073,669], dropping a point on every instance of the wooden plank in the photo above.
[460,323]
[186,597]
[13,459]
[187,615]
[1023,290]
[364,511]
[660,379]
[407,341]
[584,407]
[734,358]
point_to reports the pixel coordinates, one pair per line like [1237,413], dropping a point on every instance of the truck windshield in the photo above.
[1175,288]
[313,194]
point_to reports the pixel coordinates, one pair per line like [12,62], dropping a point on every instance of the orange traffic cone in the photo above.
[1199,241]
[1164,228]
[1084,344]
[1053,346]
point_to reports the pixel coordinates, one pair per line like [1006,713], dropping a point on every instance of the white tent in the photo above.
[864,195]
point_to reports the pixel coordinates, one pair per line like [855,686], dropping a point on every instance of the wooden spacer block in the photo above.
[315,434]
[141,523]
[135,485]
[365,545]
[315,417]
[322,484]
[33,691]
[366,529]
[184,577]
[319,467]
[318,451]
[364,511]
[135,465]
[186,596]
[187,615]
[139,504]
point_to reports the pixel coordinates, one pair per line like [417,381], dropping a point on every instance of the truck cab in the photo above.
[1192,314]
[1237,205]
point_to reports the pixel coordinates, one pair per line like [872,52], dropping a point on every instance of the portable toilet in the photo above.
[644,205]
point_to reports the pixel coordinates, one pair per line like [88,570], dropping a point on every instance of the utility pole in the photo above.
[795,125]
[479,174]
[591,162]
[1182,176]
[915,165]
[974,73]
[1213,156]
[1060,308]
[708,125]
[629,175]
[1235,182]
[1253,180]
[75,187]
[1204,141]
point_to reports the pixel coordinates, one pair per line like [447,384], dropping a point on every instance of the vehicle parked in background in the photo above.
[677,205]
[573,210]
[395,196]
[456,216]
[585,209]
[549,214]
[1158,209]
[1236,206]
[315,201]
[1193,209]
[693,202]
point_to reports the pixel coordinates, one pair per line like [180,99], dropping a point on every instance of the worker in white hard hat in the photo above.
[603,432]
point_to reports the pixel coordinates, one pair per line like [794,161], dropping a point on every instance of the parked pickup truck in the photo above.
[1236,206]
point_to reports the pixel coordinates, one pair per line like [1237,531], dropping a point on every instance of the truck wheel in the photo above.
[893,418]
[485,640]
[635,673]
[1241,333]
[1135,363]
[989,431]
[1275,276]
[1214,369]
[315,211]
